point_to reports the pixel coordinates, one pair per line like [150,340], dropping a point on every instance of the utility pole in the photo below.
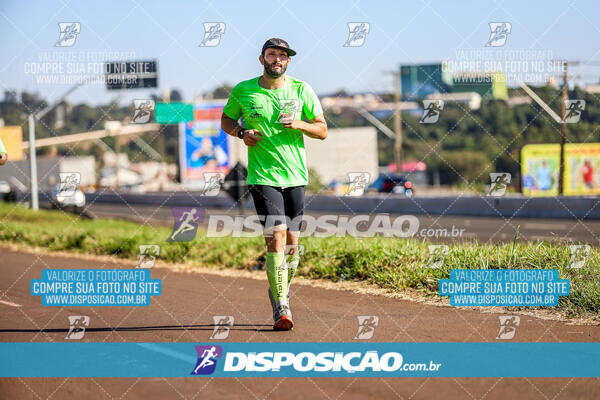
[33,182]
[117,167]
[563,130]
[397,123]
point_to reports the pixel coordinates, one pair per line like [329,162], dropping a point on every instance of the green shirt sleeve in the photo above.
[2,149]
[233,108]
[311,106]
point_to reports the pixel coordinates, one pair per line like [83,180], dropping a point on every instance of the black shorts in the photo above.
[277,206]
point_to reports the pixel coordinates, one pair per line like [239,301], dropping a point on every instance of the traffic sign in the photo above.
[131,74]
[173,113]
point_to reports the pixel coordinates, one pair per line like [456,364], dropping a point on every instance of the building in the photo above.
[489,85]
[345,150]
[16,173]
[518,100]
[471,99]
[593,89]
[420,80]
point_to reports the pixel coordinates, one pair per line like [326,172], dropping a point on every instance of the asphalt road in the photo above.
[183,313]
[435,228]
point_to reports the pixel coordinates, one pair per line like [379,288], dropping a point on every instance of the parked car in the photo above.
[6,192]
[73,199]
[392,183]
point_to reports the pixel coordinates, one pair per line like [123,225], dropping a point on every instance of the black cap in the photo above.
[278,44]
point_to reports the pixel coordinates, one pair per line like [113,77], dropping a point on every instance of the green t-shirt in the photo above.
[279,159]
[2,149]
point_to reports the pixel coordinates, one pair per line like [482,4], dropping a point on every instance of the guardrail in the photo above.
[478,206]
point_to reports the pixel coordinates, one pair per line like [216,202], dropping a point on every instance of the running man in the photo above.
[272,107]
[3,156]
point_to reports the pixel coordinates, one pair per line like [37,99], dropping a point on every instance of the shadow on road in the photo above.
[206,327]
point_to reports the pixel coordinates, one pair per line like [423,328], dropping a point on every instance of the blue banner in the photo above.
[223,359]
[95,287]
[504,287]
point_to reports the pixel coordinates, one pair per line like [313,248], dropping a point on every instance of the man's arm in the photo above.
[231,127]
[233,107]
[316,128]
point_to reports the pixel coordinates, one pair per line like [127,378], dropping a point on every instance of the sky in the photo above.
[399,32]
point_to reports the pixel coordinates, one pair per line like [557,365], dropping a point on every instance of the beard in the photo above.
[275,73]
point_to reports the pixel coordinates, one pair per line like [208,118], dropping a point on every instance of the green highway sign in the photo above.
[173,113]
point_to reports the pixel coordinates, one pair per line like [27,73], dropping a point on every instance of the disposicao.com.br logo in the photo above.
[326,362]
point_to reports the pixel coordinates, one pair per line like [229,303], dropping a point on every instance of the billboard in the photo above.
[419,80]
[12,137]
[582,169]
[203,144]
[540,164]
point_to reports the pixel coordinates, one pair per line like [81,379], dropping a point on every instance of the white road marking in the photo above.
[544,226]
[8,303]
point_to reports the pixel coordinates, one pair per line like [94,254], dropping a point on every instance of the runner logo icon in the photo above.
[508,326]
[207,359]
[498,34]
[77,325]
[212,34]
[358,33]
[499,183]
[288,109]
[148,255]
[212,183]
[431,111]
[366,326]
[143,110]
[68,33]
[69,182]
[223,323]
[574,110]
[185,223]
[437,255]
[579,255]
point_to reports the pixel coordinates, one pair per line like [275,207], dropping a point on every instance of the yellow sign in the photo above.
[582,168]
[539,169]
[12,137]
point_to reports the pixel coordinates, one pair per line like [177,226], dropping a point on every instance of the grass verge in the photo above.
[392,264]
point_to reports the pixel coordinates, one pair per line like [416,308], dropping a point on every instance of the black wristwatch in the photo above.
[240,133]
